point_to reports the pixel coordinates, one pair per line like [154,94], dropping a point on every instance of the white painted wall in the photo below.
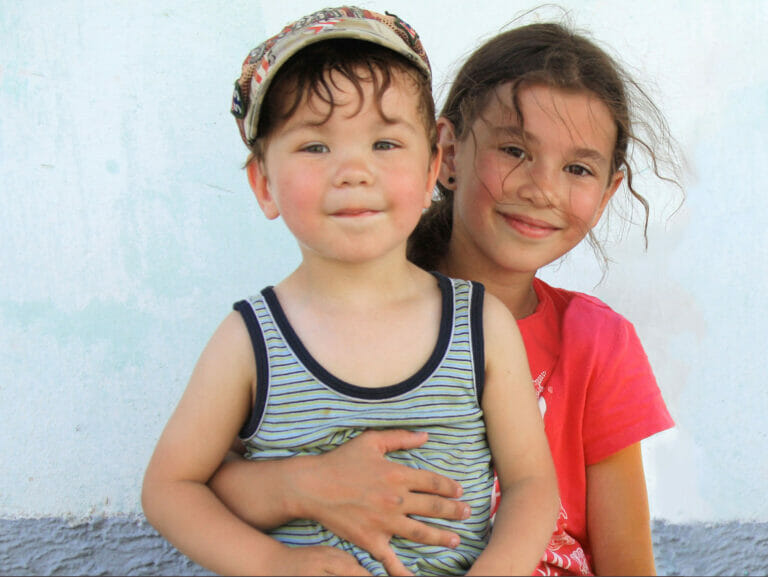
[128,229]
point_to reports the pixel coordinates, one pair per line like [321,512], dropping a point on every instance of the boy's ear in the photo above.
[434,169]
[613,186]
[446,142]
[259,182]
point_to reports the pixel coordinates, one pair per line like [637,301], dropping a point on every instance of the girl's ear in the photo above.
[610,190]
[259,182]
[446,141]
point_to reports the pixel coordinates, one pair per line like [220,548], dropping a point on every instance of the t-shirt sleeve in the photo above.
[623,403]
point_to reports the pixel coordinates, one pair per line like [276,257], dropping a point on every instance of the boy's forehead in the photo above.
[397,104]
[347,22]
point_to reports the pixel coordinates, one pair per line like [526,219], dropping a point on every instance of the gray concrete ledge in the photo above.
[127,545]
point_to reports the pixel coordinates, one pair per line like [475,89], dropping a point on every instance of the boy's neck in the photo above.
[357,285]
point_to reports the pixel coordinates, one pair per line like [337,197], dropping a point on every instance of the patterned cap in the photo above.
[263,62]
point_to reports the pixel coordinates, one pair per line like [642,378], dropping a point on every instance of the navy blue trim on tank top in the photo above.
[366,393]
[478,340]
[262,367]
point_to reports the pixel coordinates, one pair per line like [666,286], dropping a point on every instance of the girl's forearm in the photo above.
[190,516]
[523,526]
[264,494]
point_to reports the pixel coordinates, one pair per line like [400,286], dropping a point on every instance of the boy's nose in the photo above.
[353,170]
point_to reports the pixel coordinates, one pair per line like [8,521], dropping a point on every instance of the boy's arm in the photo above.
[618,520]
[354,491]
[529,504]
[175,497]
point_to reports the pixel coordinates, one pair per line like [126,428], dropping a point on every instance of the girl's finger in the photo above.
[419,532]
[426,505]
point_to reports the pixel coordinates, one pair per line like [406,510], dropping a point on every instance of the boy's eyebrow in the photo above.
[400,121]
[292,126]
[583,152]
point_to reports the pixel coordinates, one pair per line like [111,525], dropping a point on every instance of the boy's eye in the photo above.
[578,170]
[315,148]
[384,145]
[514,152]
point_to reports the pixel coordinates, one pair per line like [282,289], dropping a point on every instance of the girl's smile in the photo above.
[529,227]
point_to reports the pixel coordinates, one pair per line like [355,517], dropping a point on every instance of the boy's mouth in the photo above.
[354,212]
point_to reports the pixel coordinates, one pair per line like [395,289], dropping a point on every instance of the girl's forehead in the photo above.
[549,112]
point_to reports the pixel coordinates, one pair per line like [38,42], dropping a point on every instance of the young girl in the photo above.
[337,111]
[536,134]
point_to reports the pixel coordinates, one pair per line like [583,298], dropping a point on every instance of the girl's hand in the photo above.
[361,496]
[354,491]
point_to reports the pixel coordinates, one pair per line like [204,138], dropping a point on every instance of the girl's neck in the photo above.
[514,289]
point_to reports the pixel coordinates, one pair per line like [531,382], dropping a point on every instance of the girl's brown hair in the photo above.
[551,54]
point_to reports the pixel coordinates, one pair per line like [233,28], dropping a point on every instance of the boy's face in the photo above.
[350,187]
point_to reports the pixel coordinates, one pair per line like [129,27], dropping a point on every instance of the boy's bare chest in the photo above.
[374,349]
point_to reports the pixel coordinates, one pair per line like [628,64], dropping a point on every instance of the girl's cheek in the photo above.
[583,207]
[494,177]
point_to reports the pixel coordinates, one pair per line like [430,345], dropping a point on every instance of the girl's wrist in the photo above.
[299,485]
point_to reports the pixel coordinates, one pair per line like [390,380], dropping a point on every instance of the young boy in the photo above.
[338,114]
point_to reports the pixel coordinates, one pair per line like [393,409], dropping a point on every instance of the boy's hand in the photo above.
[317,561]
[361,496]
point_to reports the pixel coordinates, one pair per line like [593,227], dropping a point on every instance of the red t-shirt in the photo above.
[597,394]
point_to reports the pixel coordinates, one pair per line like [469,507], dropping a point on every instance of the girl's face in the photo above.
[526,195]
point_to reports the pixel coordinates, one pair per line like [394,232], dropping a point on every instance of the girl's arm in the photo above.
[354,491]
[618,520]
[529,504]
[175,497]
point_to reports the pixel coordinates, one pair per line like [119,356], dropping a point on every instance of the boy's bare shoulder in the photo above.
[499,325]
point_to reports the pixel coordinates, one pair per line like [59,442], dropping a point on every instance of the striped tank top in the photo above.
[302,409]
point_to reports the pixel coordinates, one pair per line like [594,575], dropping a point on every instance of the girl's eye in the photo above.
[578,170]
[514,152]
[384,145]
[315,148]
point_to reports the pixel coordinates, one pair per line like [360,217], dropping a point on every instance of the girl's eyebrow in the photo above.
[589,153]
[515,131]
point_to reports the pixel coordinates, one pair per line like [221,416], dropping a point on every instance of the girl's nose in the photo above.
[540,184]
